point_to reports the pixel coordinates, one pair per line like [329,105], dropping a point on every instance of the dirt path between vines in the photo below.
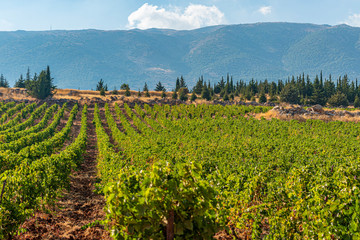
[78,207]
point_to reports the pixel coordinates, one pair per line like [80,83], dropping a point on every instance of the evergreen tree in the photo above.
[124,86]
[163,94]
[280,86]
[183,96]
[217,89]
[248,95]
[147,94]
[253,87]
[3,82]
[145,88]
[41,87]
[338,99]
[183,92]
[193,97]
[232,96]
[182,82]
[318,97]
[177,87]
[309,87]
[273,99]
[199,85]
[27,78]
[115,91]
[102,92]
[127,92]
[273,89]
[20,83]
[174,95]
[100,85]
[329,88]
[205,94]
[223,92]
[290,94]
[139,93]
[226,97]
[262,98]
[357,102]
[159,87]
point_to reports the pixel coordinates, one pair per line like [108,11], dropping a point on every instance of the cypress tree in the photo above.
[145,89]
[177,87]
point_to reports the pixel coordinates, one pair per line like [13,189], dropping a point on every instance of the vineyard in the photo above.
[179,172]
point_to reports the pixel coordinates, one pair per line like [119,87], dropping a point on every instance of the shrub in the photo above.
[183,94]
[163,94]
[102,92]
[127,92]
[193,97]
[357,102]
[338,99]
[205,94]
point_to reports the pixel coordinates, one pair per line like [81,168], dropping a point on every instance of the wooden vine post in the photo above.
[170,226]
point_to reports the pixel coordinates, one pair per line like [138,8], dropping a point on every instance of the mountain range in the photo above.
[80,58]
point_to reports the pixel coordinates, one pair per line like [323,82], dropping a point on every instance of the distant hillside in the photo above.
[78,59]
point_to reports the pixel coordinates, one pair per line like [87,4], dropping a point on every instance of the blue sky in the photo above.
[176,14]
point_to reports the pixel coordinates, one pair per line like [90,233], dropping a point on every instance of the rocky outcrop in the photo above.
[311,111]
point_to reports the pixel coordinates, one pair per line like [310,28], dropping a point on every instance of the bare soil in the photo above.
[78,207]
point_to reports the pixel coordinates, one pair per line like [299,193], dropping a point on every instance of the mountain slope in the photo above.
[78,59]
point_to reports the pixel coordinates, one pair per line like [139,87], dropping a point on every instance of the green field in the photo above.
[194,171]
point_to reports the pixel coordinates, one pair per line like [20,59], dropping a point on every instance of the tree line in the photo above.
[295,90]
[299,89]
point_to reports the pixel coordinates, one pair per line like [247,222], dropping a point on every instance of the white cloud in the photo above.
[194,16]
[266,10]
[353,20]
[157,69]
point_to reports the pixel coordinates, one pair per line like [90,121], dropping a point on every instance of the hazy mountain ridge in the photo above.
[78,59]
